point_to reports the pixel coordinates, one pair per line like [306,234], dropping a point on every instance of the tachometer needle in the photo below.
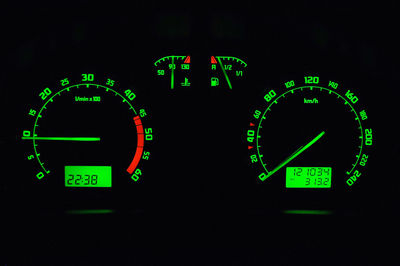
[64,138]
[295,154]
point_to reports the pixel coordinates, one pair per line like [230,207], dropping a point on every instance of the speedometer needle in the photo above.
[295,154]
[64,138]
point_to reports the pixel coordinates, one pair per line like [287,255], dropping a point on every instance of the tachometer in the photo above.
[87,132]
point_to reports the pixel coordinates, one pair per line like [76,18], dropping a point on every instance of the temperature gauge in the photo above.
[175,69]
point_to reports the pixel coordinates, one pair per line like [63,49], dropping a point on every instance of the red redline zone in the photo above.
[187,60]
[139,147]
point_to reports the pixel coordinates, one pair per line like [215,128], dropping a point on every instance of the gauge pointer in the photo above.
[223,70]
[64,138]
[172,73]
[295,154]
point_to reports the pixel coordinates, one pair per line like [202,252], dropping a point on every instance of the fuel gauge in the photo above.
[225,69]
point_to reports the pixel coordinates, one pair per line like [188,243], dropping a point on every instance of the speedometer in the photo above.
[310,134]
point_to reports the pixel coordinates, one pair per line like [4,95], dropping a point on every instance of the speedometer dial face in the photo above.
[87,133]
[310,134]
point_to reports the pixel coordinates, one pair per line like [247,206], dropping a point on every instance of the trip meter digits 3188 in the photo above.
[310,134]
[87,132]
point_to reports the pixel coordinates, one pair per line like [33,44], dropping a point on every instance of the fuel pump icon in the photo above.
[214,81]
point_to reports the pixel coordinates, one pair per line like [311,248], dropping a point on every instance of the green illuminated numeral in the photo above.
[146,155]
[353,178]
[32,112]
[333,84]
[297,171]
[64,82]
[77,180]
[318,181]
[271,94]
[185,66]
[257,114]
[351,96]
[26,133]
[136,175]
[250,135]
[142,113]
[130,95]
[368,136]
[148,133]
[87,179]
[363,115]
[161,72]
[253,158]
[93,180]
[311,80]
[364,160]
[40,175]
[262,176]
[87,77]
[30,157]
[289,84]
[172,66]
[110,82]
[69,180]
[228,67]
[46,92]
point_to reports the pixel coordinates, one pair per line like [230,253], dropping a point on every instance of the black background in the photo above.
[202,205]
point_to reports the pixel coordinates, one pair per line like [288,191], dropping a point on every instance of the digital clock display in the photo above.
[308,177]
[87,176]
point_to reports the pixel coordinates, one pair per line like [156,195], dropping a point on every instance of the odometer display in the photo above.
[308,177]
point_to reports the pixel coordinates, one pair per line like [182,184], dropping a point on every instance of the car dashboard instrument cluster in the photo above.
[155,122]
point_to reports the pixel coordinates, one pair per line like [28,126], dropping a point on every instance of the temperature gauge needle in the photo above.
[295,154]
[172,73]
[64,138]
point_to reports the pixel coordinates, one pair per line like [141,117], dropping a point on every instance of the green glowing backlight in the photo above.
[308,177]
[87,176]
[308,212]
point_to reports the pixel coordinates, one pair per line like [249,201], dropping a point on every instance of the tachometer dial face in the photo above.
[87,133]
[310,134]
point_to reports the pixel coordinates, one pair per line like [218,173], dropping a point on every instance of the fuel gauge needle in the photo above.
[64,138]
[226,75]
[295,154]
